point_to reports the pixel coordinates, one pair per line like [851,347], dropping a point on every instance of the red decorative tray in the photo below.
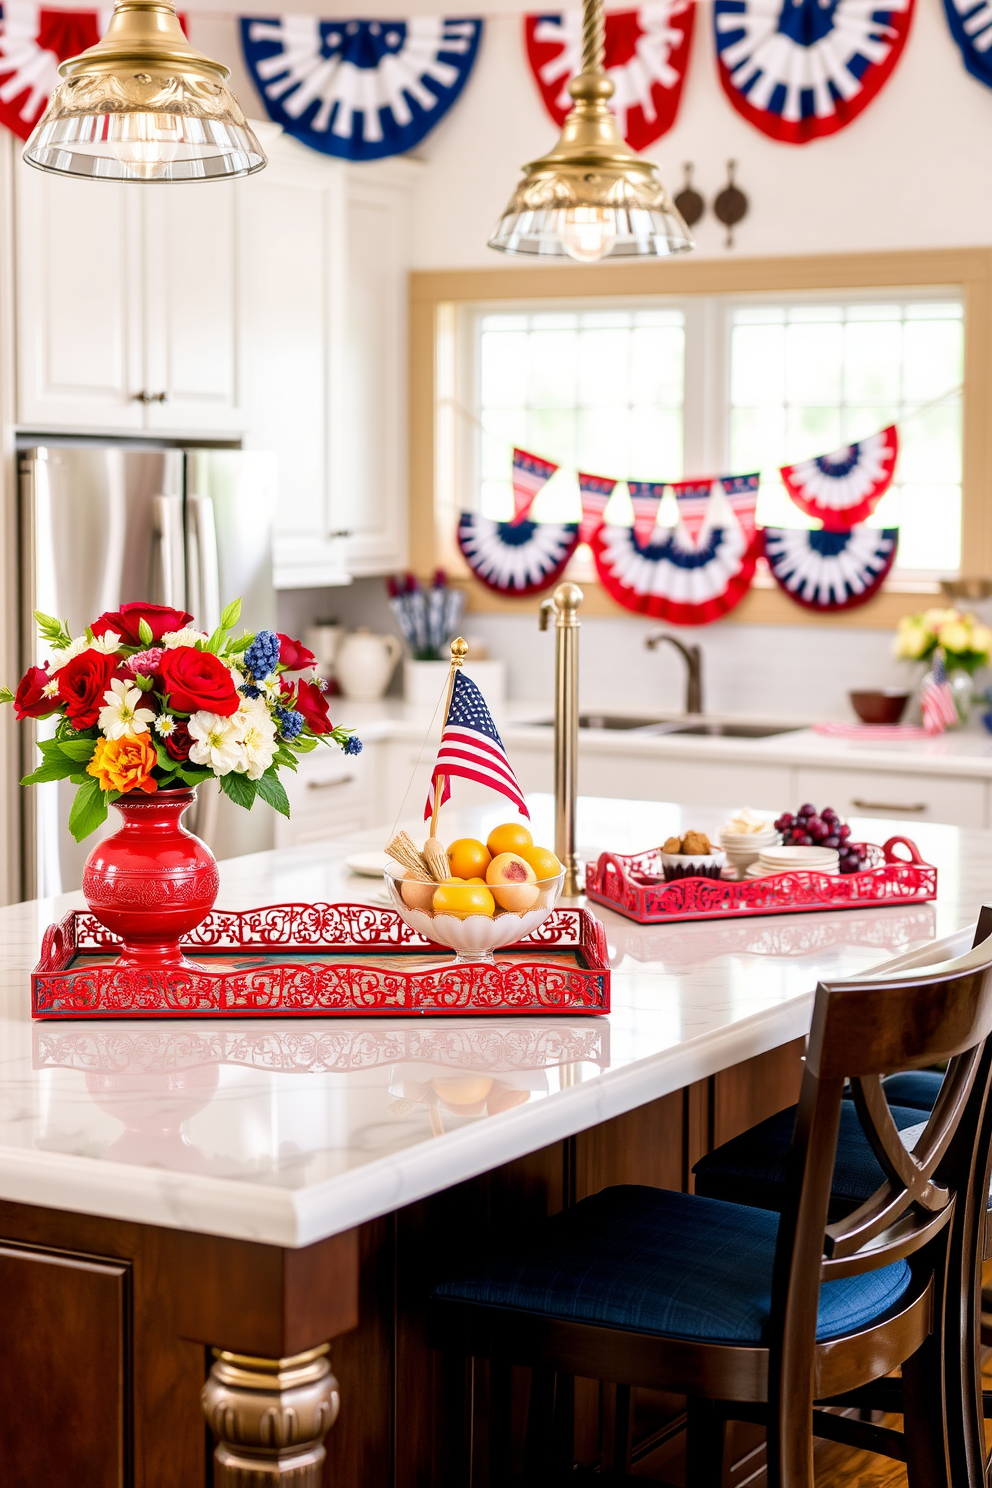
[635,886]
[325,960]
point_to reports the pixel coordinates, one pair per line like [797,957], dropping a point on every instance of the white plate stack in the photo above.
[789,859]
[743,848]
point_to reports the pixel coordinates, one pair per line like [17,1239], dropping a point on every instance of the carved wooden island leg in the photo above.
[270,1417]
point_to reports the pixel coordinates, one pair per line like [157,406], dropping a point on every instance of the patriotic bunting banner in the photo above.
[646,55]
[741,494]
[693,499]
[516,559]
[845,487]
[971,26]
[668,581]
[34,39]
[830,570]
[801,69]
[595,491]
[359,89]
[530,474]
[645,498]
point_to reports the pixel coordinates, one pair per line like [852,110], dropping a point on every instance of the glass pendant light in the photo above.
[592,196]
[144,105]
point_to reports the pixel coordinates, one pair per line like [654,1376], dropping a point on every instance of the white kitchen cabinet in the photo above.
[957,800]
[331,795]
[126,303]
[692,782]
[323,352]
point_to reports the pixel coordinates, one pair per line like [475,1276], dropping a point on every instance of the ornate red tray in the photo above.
[324,960]
[635,886]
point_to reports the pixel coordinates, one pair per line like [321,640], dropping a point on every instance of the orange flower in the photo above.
[124,764]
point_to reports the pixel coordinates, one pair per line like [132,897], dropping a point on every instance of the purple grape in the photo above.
[843,831]
[831,841]
[784,821]
[807,810]
[815,825]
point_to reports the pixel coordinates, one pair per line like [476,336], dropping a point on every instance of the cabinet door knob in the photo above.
[887,805]
[141,397]
[159,398]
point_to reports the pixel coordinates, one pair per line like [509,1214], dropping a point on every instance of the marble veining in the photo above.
[290,1131]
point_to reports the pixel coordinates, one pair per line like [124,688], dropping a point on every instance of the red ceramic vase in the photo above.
[152,882]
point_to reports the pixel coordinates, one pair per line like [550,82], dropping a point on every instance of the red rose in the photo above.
[197,680]
[311,702]
[293,655]
[179,742]
[82,683]
[126,620]
[30,700]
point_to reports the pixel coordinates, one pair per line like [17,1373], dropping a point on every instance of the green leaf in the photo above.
[53,768]
[89,635]
[76,749]
[55,632]
[6,696]
[145,683]
[231,615]
[303,743]
[194,776]
[241,790]
[145,635]
[89,809]
[271,790]
[215,642]
[240,646]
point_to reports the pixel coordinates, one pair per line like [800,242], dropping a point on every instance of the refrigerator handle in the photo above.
[168,516]
[203,571]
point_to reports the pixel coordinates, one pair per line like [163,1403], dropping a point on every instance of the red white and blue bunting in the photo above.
[516,558]
[595,492]
[356,88]
[530,475]
[843,488]
[971,26]
[801,69]
[34,39]
[671,581]
[646,56]
[824,570]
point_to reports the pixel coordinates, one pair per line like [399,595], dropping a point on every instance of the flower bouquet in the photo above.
[964,640]
[148,708]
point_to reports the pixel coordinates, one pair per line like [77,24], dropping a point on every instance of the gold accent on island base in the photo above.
[564,606]
[270,1417]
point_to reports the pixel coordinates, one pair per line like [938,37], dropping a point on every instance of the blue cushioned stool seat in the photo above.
[918,1088]
[750,1169]
[652,1261]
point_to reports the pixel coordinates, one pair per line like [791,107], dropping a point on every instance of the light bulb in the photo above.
[147,143]
[587,233]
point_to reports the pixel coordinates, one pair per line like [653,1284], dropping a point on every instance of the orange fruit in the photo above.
[513,883]
[463,899]
[416,894]
[542,860]
[511,837]
[469,858]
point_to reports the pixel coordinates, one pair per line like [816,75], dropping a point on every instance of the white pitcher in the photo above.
[365,663]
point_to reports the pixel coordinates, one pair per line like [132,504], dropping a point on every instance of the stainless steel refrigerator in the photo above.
[103,524]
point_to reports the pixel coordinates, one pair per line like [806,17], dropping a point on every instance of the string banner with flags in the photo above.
[359,89]
[530,475]
[646,56]
[971,26]
[693,499]
[802,69]
[645,498]
[472,749]
[595,492]
[741,494]
[843,488]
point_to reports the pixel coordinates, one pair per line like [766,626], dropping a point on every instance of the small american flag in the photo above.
[472,748]
[937,699]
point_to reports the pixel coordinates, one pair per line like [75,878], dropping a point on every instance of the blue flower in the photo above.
[290,722]
[262,655]
[249,691]
[353,745]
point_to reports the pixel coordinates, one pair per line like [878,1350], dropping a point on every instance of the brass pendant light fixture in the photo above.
[592,196]
[144,105]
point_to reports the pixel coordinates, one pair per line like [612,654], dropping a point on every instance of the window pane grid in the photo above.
[808,379]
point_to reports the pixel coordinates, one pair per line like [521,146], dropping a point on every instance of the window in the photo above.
[665,388]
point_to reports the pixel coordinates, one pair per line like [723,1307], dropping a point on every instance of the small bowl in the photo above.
[744,848]
[693,865]
[477,936]
[881,705]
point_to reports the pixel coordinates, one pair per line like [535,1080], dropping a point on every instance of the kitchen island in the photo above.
[266,1187]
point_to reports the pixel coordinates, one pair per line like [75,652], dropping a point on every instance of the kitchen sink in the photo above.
[621,722]
[735,730]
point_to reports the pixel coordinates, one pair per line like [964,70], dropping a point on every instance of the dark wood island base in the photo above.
[116,1338]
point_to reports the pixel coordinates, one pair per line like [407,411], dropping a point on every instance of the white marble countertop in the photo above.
[288,1131]
[960,752]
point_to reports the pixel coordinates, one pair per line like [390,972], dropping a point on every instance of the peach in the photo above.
[468,857]
[513,882]
[416,894]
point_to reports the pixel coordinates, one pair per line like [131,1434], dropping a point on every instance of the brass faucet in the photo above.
[693,658]
[563,608]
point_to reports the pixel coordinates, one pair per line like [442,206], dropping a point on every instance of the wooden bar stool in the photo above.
[758,1316]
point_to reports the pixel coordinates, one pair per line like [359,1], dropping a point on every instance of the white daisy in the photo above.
[271,688]
[51,689]
[257,735]
[106,643]
[217,744]
[165,725]
[185,637]
[122,716]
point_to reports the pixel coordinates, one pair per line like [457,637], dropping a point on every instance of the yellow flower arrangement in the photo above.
[965,641]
